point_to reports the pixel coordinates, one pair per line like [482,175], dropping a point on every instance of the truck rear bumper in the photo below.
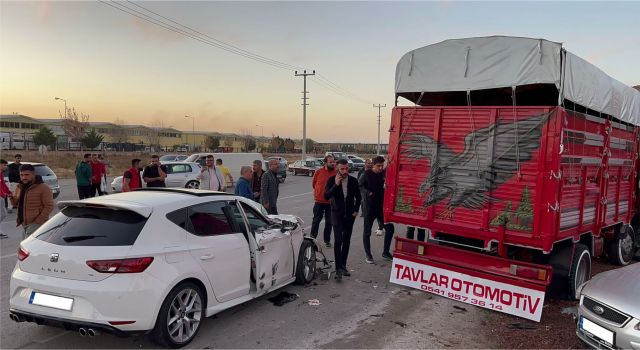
[495,283]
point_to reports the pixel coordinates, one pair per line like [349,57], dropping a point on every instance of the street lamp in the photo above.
[193,132]
[65,106]
[262,129]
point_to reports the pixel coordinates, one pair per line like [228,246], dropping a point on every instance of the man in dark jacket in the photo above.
[343,194]
[373,182]
[269,188]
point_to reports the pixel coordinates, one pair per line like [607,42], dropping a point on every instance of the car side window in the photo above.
[256,222]
[179,217]
[178,168]
[187,168]
[210,219]
[238,220]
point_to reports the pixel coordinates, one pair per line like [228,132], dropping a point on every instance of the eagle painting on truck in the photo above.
[520,159]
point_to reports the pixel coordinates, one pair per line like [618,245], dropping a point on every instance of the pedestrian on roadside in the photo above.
[227,179]
[256,182]
[362,179]
[373,181]
[5,194]
[83,177]
[243,187]
[269,188]
[103,180]
[344,196]
[131,179]
[411,232]
[210,176]
[97,171]
[368,164]
[14,175]
[34,200]
[321,206]
[155,173]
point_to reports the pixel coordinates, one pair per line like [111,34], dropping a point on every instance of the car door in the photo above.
[274,256]
[177,175]
[220,248]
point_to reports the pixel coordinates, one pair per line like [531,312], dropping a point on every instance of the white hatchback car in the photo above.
[179,174]
[155,260]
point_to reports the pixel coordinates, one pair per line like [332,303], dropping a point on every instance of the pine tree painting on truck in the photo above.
[521,159]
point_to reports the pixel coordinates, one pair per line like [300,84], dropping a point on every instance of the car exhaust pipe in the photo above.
[17,318]
[92,332]
[82,331]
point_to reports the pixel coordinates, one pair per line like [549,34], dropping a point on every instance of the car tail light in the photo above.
[528,272]
[22,253]
[133,265]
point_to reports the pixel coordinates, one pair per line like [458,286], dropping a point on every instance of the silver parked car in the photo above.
[179,174]
[48,176]
[609,310]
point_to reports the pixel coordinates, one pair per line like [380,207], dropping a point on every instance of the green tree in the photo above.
[289,145]
[44,136]
[211,143]
[92,139]
[277,144]
[249,144]
[311,146]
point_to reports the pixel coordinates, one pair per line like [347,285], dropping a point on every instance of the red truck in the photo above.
[521,161]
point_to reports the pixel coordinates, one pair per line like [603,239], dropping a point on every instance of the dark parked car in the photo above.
[307,167]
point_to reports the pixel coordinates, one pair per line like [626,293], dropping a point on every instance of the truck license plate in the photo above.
[52,301]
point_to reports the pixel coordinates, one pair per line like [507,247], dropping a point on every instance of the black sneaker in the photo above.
[387,256]
[338,274]
[327,244]
[346,272]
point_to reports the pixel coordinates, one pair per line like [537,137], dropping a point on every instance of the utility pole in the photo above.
[379,116]
[304,74]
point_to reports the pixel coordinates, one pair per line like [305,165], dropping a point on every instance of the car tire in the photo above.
[55,195]
[311,174]
[306,266]
[192,184]
[295,173]
[282,180]
[620,250]
[172,304]
[580,270]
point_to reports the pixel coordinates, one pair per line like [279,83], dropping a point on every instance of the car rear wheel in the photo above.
[180,315]
[580,270]
[192,184]
[620,249]
[306,269]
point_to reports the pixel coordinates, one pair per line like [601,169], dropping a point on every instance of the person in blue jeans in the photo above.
[243,187]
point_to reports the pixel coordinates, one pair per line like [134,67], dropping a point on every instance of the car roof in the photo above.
[32,163]
[146,200]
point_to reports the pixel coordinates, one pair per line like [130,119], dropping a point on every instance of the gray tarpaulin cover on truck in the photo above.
[500,61]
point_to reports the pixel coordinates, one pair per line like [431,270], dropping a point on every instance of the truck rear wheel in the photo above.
[580,270]
[620,250]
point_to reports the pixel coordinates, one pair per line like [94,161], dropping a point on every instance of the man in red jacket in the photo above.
[131,178]
[98,170]
[321,206]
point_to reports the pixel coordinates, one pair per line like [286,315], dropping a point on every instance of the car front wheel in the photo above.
[306,268]
[192,184]
[180,315]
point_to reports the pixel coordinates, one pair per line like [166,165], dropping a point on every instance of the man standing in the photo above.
[155,173]
[131,178]
[14,174]
[368,164]
[210,176]
[227,179]
[256,182]
[243,187]
[5,193]
[373,182]
[321,206]
[269,188]
[344,195]
[83,177]
[34,200]
[97,171]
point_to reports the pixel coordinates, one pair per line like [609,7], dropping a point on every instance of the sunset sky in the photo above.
[110,64]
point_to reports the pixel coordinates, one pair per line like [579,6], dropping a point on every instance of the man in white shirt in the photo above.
[210,176]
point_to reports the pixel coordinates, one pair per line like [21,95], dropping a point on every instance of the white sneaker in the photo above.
[380,232]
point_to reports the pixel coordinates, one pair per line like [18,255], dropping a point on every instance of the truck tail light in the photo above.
[133,265]
[528,272]
[22,253]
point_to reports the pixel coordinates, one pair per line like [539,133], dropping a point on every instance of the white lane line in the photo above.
[8,256]
[295,195]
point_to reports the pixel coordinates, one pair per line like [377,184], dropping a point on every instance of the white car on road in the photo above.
[179,174]
[155,260]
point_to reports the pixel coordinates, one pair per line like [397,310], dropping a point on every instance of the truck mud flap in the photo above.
[514,287]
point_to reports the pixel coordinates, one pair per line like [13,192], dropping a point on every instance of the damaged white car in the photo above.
[155,261]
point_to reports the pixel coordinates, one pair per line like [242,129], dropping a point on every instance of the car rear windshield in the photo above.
[43,170]
[92,226]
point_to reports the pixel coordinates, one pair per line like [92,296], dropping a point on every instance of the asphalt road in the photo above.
[361,311]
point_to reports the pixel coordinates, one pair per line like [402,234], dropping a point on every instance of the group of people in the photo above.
[91,176]
[338,198]
[27,193]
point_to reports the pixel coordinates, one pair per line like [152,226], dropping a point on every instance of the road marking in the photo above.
[295,195]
